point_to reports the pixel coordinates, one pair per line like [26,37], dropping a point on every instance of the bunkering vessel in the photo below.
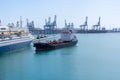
[14,38]
[67,39]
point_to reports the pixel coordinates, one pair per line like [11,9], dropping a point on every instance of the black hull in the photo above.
[46,46]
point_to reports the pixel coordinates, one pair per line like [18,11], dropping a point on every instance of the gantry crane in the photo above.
[97,26]
[85,25]
[50,26]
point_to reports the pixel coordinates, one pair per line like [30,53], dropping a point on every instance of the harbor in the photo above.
[59,40]
[50,27]
[15,37]
[48,57]
[95,56]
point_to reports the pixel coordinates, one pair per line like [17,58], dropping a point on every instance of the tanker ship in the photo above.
[66,39]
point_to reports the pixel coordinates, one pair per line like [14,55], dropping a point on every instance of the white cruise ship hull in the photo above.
[14,44]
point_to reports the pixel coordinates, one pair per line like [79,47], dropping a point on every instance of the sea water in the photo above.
[95,57]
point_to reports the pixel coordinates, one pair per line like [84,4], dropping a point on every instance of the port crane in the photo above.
[69,25]
[50,26]
[97,26]
[85,25]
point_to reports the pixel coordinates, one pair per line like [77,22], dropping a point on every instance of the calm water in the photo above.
[96,57]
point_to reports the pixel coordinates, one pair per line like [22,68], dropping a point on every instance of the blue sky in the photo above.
[72,10]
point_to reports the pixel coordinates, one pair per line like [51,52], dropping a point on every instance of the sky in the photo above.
[72,10]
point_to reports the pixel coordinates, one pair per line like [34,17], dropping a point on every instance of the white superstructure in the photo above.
[67,35]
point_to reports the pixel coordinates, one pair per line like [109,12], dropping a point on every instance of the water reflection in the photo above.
[62,51]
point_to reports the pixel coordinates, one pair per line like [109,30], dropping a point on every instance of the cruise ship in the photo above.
[14,38]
